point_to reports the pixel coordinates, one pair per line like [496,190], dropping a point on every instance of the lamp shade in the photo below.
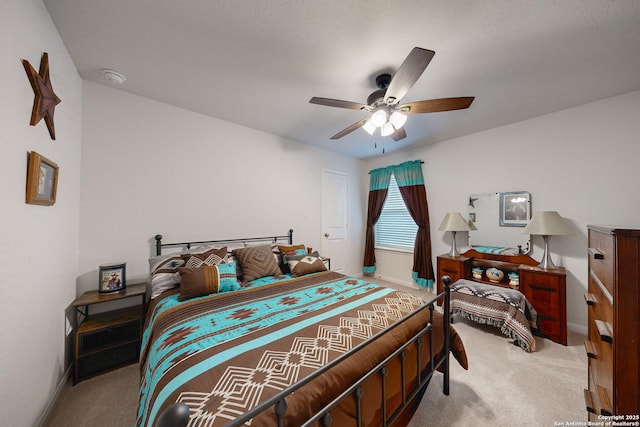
[453,221]
[547,223]
[379,117]
[397,119]
[369,127]
[387,129]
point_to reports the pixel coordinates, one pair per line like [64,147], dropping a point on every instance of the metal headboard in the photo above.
[272,239]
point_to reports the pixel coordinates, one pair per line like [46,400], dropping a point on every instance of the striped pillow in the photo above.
[208,279]
[164,273]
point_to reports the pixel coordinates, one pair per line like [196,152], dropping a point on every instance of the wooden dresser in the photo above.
[613,305]
[545,288]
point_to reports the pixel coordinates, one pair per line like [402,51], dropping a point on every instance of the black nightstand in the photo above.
[108,340]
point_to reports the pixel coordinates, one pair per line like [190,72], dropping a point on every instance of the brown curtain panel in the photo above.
[378,188]
[411,185]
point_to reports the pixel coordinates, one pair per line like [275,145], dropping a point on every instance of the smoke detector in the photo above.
[113,76]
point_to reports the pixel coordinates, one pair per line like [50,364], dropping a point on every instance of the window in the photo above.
[395,229]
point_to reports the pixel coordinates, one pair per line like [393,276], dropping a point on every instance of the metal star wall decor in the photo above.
[45,100]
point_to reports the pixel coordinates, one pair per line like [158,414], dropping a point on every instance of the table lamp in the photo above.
[454,222]
[547,224]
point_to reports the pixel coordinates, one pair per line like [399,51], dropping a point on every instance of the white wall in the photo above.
[151,168]
[581,162]
[38,244]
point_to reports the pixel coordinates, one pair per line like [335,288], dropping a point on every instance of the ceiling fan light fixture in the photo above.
[379,117]
[387,129]
[397,119]
[369,127]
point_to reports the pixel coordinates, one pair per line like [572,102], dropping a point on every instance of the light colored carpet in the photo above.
[504,386]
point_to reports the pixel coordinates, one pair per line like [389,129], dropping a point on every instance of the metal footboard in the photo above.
[177,415]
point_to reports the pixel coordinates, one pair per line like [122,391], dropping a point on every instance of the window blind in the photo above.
[395,229]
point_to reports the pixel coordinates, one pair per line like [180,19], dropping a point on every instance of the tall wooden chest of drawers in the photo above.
[613,304]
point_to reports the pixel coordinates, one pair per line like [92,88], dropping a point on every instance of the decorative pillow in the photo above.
[257,262]
[213,256]
[290,250]
[232,258]
[305,264]
[208,279]
[164,273]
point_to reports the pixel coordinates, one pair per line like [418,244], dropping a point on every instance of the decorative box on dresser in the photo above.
[613,305]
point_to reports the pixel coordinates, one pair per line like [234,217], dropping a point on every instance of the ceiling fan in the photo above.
[383,104]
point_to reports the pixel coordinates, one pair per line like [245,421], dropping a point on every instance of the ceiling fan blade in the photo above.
[399,134]
[338,103]
[349,129]
[436,105]
[408,74]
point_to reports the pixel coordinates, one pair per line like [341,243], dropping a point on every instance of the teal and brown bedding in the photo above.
[223,354]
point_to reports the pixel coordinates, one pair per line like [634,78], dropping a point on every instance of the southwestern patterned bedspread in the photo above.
[224,354]
[498,306]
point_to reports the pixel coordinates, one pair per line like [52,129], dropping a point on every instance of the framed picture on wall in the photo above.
[112,277]
[515,209]
[42,180]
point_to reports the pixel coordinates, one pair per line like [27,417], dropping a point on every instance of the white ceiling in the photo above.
[258,62]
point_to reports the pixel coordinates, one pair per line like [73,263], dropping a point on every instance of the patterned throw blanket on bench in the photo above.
[498,306]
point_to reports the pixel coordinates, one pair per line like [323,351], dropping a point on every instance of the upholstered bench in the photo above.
[498,306]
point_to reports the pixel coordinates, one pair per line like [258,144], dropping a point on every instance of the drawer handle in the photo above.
[590,299]
[542,287]
[605,401]
[604,330]
[590,348]
[596,254]
[588,401]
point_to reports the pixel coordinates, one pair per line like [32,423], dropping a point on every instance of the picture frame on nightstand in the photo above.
[112,277]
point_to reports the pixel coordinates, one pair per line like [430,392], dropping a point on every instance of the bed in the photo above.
[302,346]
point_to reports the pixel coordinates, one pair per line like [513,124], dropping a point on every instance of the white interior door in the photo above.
[335,196]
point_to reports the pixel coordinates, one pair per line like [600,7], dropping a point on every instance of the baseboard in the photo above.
[44,417]
[574,327]
[395,281]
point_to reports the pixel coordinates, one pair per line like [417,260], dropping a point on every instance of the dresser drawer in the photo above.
[601,258]
[543,292]
[546,291]
[453,268]
[602,307]
[601,366]
[549,327]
